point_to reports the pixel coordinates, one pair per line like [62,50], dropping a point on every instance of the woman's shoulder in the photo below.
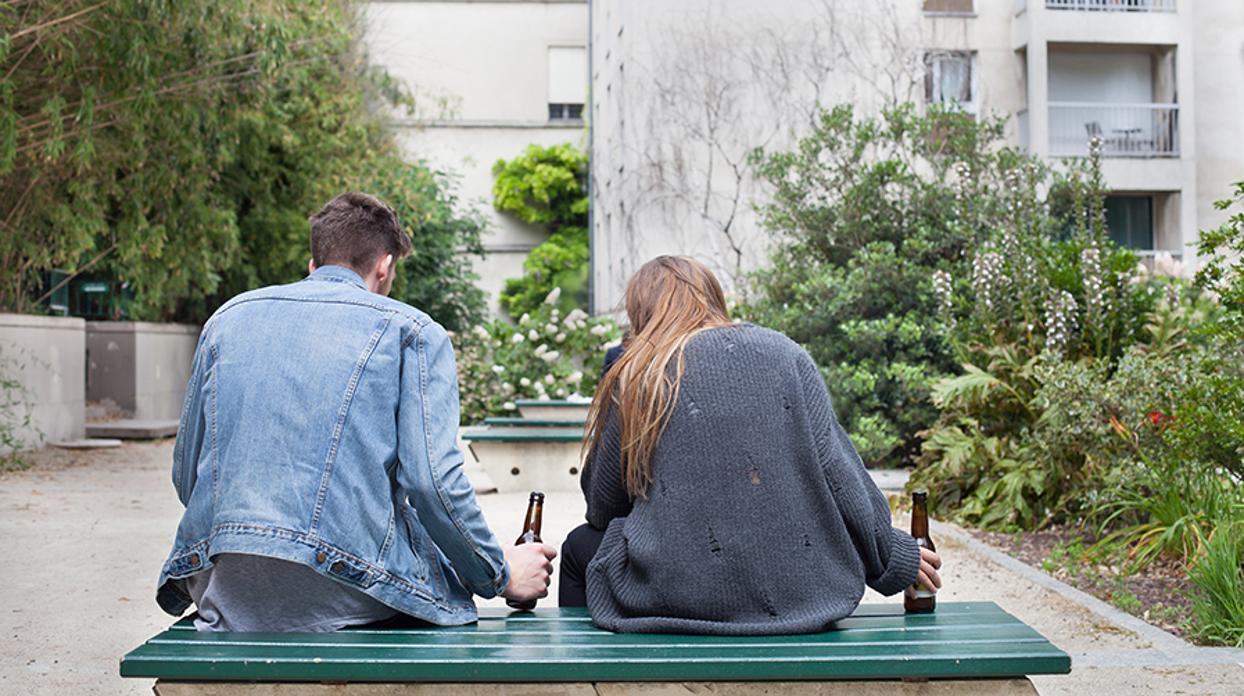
[751,337]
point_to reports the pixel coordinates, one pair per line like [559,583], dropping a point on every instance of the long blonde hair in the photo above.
[668,301]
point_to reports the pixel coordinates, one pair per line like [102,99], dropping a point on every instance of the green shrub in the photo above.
[864,210]
[547,186]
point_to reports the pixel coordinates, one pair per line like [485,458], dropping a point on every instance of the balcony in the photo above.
[1112,5]
[1126,130]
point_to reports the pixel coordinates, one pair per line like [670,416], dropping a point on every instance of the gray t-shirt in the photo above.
[241,592]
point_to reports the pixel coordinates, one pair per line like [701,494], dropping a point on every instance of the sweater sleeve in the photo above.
[890,556]
[601,479]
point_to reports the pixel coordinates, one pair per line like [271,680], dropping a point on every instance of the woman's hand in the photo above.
[928,577]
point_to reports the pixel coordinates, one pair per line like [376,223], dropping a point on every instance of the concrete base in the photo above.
[133,429]
[88,444]
[949,687]
[516,467]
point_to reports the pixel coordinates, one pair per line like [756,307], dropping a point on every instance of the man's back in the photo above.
[317,413]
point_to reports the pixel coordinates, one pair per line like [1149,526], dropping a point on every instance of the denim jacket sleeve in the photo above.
[192,428]
[431,470]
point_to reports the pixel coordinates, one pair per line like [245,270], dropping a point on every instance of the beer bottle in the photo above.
[925,600]
[531,533]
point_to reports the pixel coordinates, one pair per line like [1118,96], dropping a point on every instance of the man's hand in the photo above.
[531,565]
[928,577]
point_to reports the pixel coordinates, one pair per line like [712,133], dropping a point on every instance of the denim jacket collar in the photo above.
[338,274]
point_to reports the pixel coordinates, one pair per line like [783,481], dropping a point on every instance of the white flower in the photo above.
[509,406]
[548,379]
[550,329]
[575,377]
[555,313]
[574,317]
[507,387]
[498,369]
[540,349]
[561,392]
[525,382]
[524,319]
[480,332]
[560,337]
[551,356]
[1165,264]
[518,338]
[552,297]
[599,330]
[533,335]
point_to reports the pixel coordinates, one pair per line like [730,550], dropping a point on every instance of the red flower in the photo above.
[1159,419]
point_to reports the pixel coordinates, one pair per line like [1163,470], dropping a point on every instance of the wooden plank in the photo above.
[535,422]
[956,687]
[516,434]
[960,640]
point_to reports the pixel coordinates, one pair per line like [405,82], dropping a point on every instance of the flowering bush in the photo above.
[1058,332]
[546,355]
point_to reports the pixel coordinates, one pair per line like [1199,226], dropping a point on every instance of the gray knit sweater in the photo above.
[760,518]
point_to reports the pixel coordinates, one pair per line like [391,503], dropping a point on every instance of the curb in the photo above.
[1167,648]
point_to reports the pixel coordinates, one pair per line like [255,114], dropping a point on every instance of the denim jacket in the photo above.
[320,426]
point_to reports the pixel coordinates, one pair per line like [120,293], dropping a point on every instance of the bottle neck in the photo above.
[535,517]
[919,519]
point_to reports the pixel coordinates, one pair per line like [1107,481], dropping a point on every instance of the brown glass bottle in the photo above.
[925,600]
[531,533]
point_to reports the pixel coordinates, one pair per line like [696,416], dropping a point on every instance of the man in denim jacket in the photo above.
[317,459]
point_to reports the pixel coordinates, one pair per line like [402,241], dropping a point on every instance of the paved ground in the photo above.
[83,535]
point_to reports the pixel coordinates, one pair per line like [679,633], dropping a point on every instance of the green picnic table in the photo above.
[524,652]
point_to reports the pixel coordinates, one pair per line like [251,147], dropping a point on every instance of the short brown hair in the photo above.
[354,230]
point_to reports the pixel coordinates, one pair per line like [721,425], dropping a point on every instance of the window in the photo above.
[565,112]
[567,83]
[1130,221]
[949,78]
[948,6]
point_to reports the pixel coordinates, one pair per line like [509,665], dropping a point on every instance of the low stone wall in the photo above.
[45,356]
[142,367]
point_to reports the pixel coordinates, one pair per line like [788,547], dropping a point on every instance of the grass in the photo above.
[1218,575]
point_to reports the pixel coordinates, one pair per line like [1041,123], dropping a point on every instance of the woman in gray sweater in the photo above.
[723,496]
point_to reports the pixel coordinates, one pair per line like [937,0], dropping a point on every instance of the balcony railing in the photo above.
[1113,5]
[1126,130]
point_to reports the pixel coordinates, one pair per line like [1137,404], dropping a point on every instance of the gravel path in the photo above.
[83,534]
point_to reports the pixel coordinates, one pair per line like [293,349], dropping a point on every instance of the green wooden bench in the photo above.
[506,421]
[522,434]
[962,641]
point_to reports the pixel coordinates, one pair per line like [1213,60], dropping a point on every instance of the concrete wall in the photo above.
[46,356]
[141,366]
[481,70]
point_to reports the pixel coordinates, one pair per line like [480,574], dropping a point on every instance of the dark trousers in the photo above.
[577,552]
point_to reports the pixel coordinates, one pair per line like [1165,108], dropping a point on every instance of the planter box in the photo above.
[142,367]
[46,357]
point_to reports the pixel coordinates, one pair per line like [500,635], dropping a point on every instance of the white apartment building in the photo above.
[682,89]
[490,78]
